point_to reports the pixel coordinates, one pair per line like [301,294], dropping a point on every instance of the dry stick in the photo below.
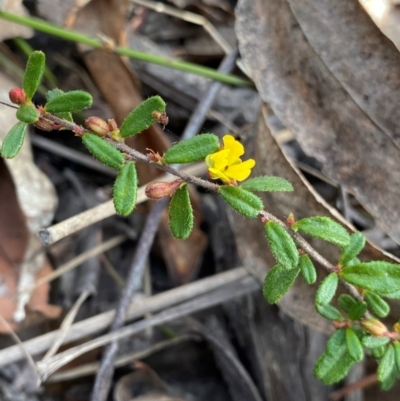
[137,309]
[91,368]
[360,384]
[246,285]
[104,376]
[55,233]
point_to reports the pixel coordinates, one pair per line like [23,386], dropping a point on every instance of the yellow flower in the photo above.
[226,164]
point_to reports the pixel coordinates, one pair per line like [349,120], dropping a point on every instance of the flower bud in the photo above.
[374,326]
[396,327]
[17,96]
[97,126]
[160,189]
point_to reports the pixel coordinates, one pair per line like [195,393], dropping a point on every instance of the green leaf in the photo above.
[13,141]
[346,302]
[125,189]
[354,345]
[397,354]
[34,71]
[334,364]
[282,245]
[379,277]
[374,342]
[389,382]
[277,282]
[307,269]
[329,312]
[181,213]
[193,149]
[141,117]
[267,184]
[327,289]
[52,94]
[357,242]
[323,228]
[69,102]
[244,202]
[103,151]
[27,114]
[386,365]
[378,352]
[357,311]
[377,305]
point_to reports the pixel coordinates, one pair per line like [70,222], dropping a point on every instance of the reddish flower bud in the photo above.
[97,126]
[17,96]
[374,326]
[290,220]
[112,124]
[160,189]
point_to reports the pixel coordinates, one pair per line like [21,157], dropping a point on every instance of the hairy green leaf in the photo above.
[308,270]
[354,346]
[267,184]
[377,305]
[323,228]
[141,118]
[357,242]
[52,94]
[397,354]
[69,102]
[374,342]
[13,141]
[282,245]
[27,114]
[125,189]
[244,202]
[181,213]
[346,302]
[378,352]
[334,364]
[103,151]
[386,365]
[329,312]
[277,282]
[192,150]
[327,289]
[357,311]
[34,71]
[379,277]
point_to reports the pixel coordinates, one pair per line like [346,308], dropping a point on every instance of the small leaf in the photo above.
[278,282]
[346,302]
[141,117]
[125,189]
[244,202]
[307,269]
[327,289]
[69,102]
[34,71]
[389,382]
[13,141]
[282,245]
[192,150]
[378,352]
[357,311]
[181,213]
[354,345]
[397,354]
[374,342]
[323,228]
[386,365]
[52,94]
[267,184]
[377,305]
[103,151]
[357,242]
[379,277]
[27,114]
[329,312]
[334,364]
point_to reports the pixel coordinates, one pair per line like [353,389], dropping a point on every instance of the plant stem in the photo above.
[66,34]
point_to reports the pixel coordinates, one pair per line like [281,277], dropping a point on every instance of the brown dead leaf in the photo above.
[333,79]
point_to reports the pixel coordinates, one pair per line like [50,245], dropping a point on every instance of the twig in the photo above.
[133,282]
[363,383]
[91,368]
[70,226]
[66,325]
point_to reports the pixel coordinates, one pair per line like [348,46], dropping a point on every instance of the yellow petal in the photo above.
[240,171]
[236,149]
[209,161]
[217,174]
[219,159]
